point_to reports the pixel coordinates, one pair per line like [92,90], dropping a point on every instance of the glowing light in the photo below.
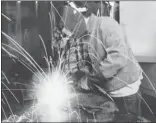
[18,2]
[53,94]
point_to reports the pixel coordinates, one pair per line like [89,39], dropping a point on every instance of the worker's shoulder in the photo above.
[108,22]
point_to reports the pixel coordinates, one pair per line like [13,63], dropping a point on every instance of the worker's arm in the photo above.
[115,48]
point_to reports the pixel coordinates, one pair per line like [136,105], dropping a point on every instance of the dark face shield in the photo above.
[73,22]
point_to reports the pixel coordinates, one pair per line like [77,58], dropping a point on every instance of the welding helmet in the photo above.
[73,22]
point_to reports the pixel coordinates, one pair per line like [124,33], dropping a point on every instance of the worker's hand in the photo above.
[83,83]
[81,80]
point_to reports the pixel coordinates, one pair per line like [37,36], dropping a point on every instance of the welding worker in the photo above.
[114,63]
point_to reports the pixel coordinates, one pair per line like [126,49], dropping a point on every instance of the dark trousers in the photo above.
[129,108]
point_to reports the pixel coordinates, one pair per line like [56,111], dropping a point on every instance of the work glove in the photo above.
[81,80]
[97,76]
[83,83]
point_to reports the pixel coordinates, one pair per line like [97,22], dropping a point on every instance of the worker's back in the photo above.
[119,67]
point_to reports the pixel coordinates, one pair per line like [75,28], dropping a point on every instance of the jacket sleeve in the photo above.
[115,47]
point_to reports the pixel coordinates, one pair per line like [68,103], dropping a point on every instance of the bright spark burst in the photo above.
[53,96]
[53,93]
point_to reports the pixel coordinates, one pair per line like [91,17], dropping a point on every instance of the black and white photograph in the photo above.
[78,61]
